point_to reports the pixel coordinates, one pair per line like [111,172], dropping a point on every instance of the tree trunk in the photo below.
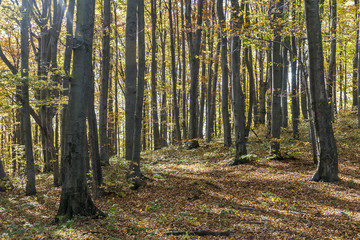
[130,73]
[238,98]
[225,73]
[66,82]
[356,57]
[276,113]
[262,91]
[104,87]
[154,108]
[294,90]
[135,171]
[4,180]
[327,169]
[194,50]
[75,198]
[94,145]
[331,78]
[184,92]
[285,78]
[25,111]
[174,77]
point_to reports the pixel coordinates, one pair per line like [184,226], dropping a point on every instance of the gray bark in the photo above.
[194,50]
[285,79]
[154,108]
[75,198]
[294,90]
[66,80]
[176,114]
[135,171]
[25,110]
[130,73]
[225,75]
[327,169]
[104,87]
[331,78]
[238,97]
[276,113]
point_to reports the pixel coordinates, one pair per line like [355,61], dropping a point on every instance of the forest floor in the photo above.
[196,190]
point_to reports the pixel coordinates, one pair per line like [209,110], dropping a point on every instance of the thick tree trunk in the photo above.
[327,169]
[356,58]
[225,75]
[75,198]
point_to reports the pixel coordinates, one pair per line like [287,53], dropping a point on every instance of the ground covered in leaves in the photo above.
[196,190]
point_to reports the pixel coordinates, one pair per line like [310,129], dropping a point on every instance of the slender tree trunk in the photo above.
[262,90]
[94,145]
[238,97]
[194,49]
[135,171]
[163,112]
[154,109]
[327,169]
[225,77]
[331,78]
[183,53]
[276,113]
[130,73]
[176,114]
[294,90]
[285,78]
[25,110]
[104,87]
[66,82]
[356,58]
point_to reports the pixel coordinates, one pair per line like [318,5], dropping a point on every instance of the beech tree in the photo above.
[327,169]
[25,110]
[75,198]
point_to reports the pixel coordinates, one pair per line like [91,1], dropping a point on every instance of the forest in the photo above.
[179,119]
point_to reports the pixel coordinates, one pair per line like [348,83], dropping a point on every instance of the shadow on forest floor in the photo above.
[190,190]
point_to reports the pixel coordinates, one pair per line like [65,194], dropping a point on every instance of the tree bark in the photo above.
[327,169]
[135,171]
[154,108]
[276,113]
[176,114]
[225,75]
[238,98]
[331,78]
[75,198]
[294,90]
[104,87]
[25,110]
[194,50]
